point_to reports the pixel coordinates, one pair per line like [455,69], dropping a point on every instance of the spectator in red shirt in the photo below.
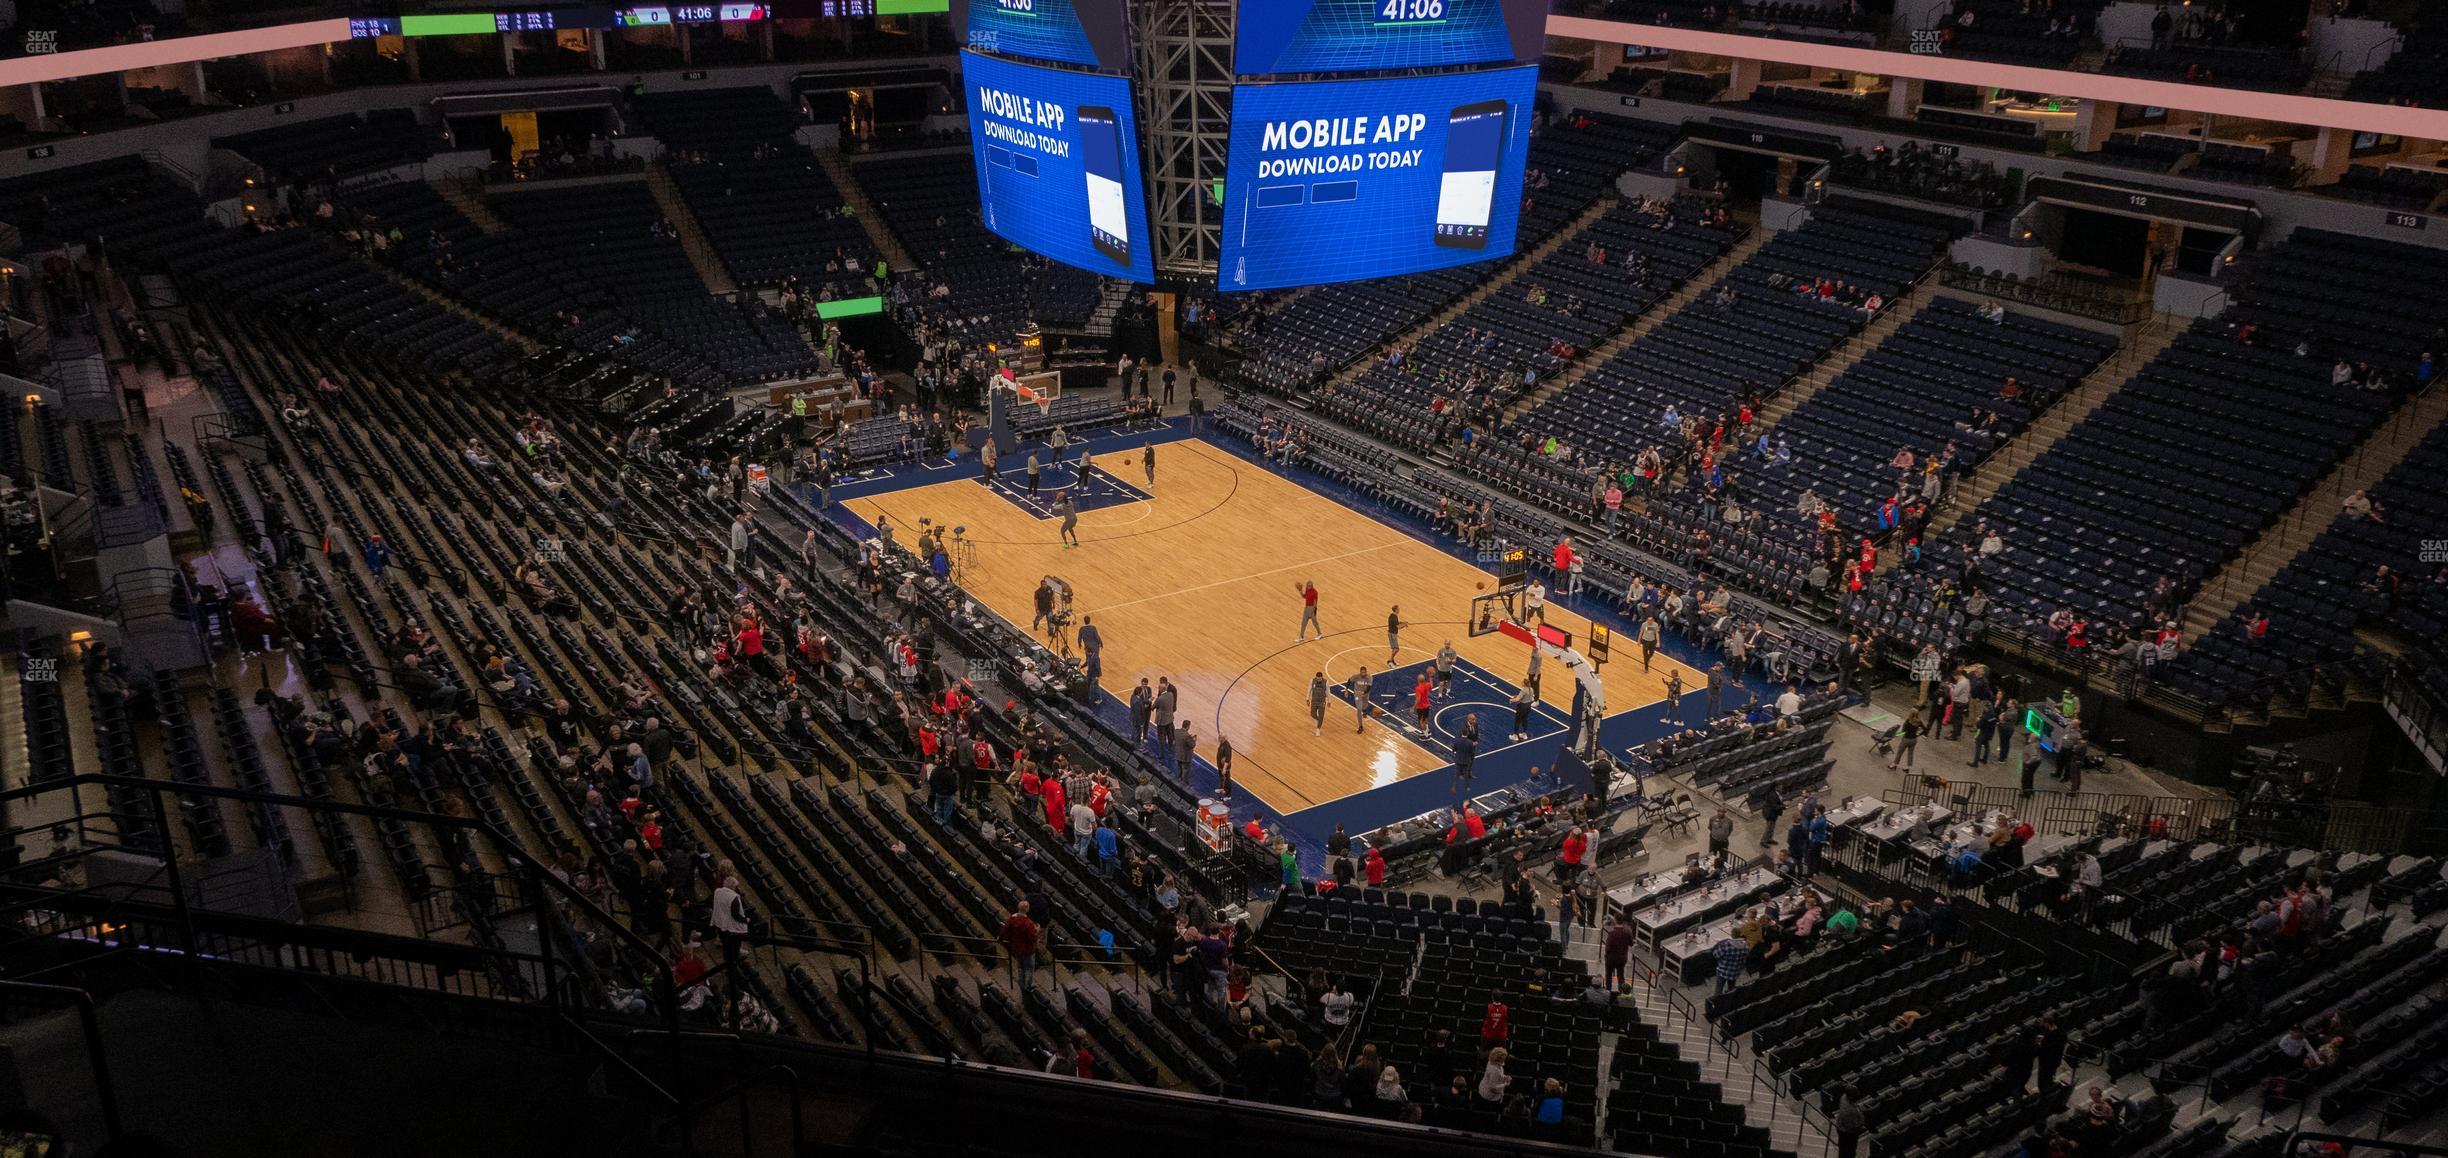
[689,969]
[1497,1025]
[1568,858]
[1019,938]
[1375,866]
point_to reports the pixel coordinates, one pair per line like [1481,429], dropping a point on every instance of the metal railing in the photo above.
[2046,294]
[2419,711]
[2078,813]
[89,1025]
[152,916]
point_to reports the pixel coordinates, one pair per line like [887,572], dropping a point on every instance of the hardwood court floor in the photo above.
[1200,584]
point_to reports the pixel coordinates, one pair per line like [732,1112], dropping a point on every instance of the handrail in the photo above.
[89,1020]
[2393,44]
[2418,710]
[509,852]
[2121,311]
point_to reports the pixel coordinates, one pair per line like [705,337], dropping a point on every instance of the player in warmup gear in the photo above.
[1394,626]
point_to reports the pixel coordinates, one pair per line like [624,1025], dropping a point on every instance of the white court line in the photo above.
[1254,575]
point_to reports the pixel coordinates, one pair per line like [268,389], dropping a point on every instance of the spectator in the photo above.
[1732,956]
[1019,938]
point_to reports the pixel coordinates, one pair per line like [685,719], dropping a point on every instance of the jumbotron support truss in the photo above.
[1185,115]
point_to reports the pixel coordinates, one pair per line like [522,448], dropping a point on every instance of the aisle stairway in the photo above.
[1701,282]
[710,269]
[1736,1074]
[1856,348]
[1497,279]
[2079,403]
[468,198]
[837,167]
[2245,574]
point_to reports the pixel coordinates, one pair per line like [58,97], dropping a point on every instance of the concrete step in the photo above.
[1763,1105]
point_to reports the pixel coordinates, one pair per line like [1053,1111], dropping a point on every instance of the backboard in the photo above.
[1490,611]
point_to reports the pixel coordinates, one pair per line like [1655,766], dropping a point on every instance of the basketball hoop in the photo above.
[1044,402]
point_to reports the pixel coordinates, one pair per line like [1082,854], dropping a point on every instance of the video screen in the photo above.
[1088,33]
[1343,180]
[1057,160]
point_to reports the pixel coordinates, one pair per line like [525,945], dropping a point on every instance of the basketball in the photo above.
[1479,586]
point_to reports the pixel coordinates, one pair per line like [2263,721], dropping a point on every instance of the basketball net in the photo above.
[1045,405]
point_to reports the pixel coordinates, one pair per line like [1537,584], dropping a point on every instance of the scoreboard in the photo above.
[590,16]
[1292,36]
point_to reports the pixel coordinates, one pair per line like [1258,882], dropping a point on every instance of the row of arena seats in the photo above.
[976,285]
[2364,570]
[1428,960]
[607,234]
[2391,185]
[2416,74]
[1706,357]
[2213,439]
[1573,162]
[774,846]
[1936,1046]
[334,149]
[1754,763]
[1920,389]
[2154,151]
[519,278]
[1508,338]
[2271,70]
[767,205]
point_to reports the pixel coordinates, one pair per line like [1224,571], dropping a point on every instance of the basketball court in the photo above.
[1196,576]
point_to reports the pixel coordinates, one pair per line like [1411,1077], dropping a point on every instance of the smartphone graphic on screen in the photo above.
[1101,154]
[1474,146]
